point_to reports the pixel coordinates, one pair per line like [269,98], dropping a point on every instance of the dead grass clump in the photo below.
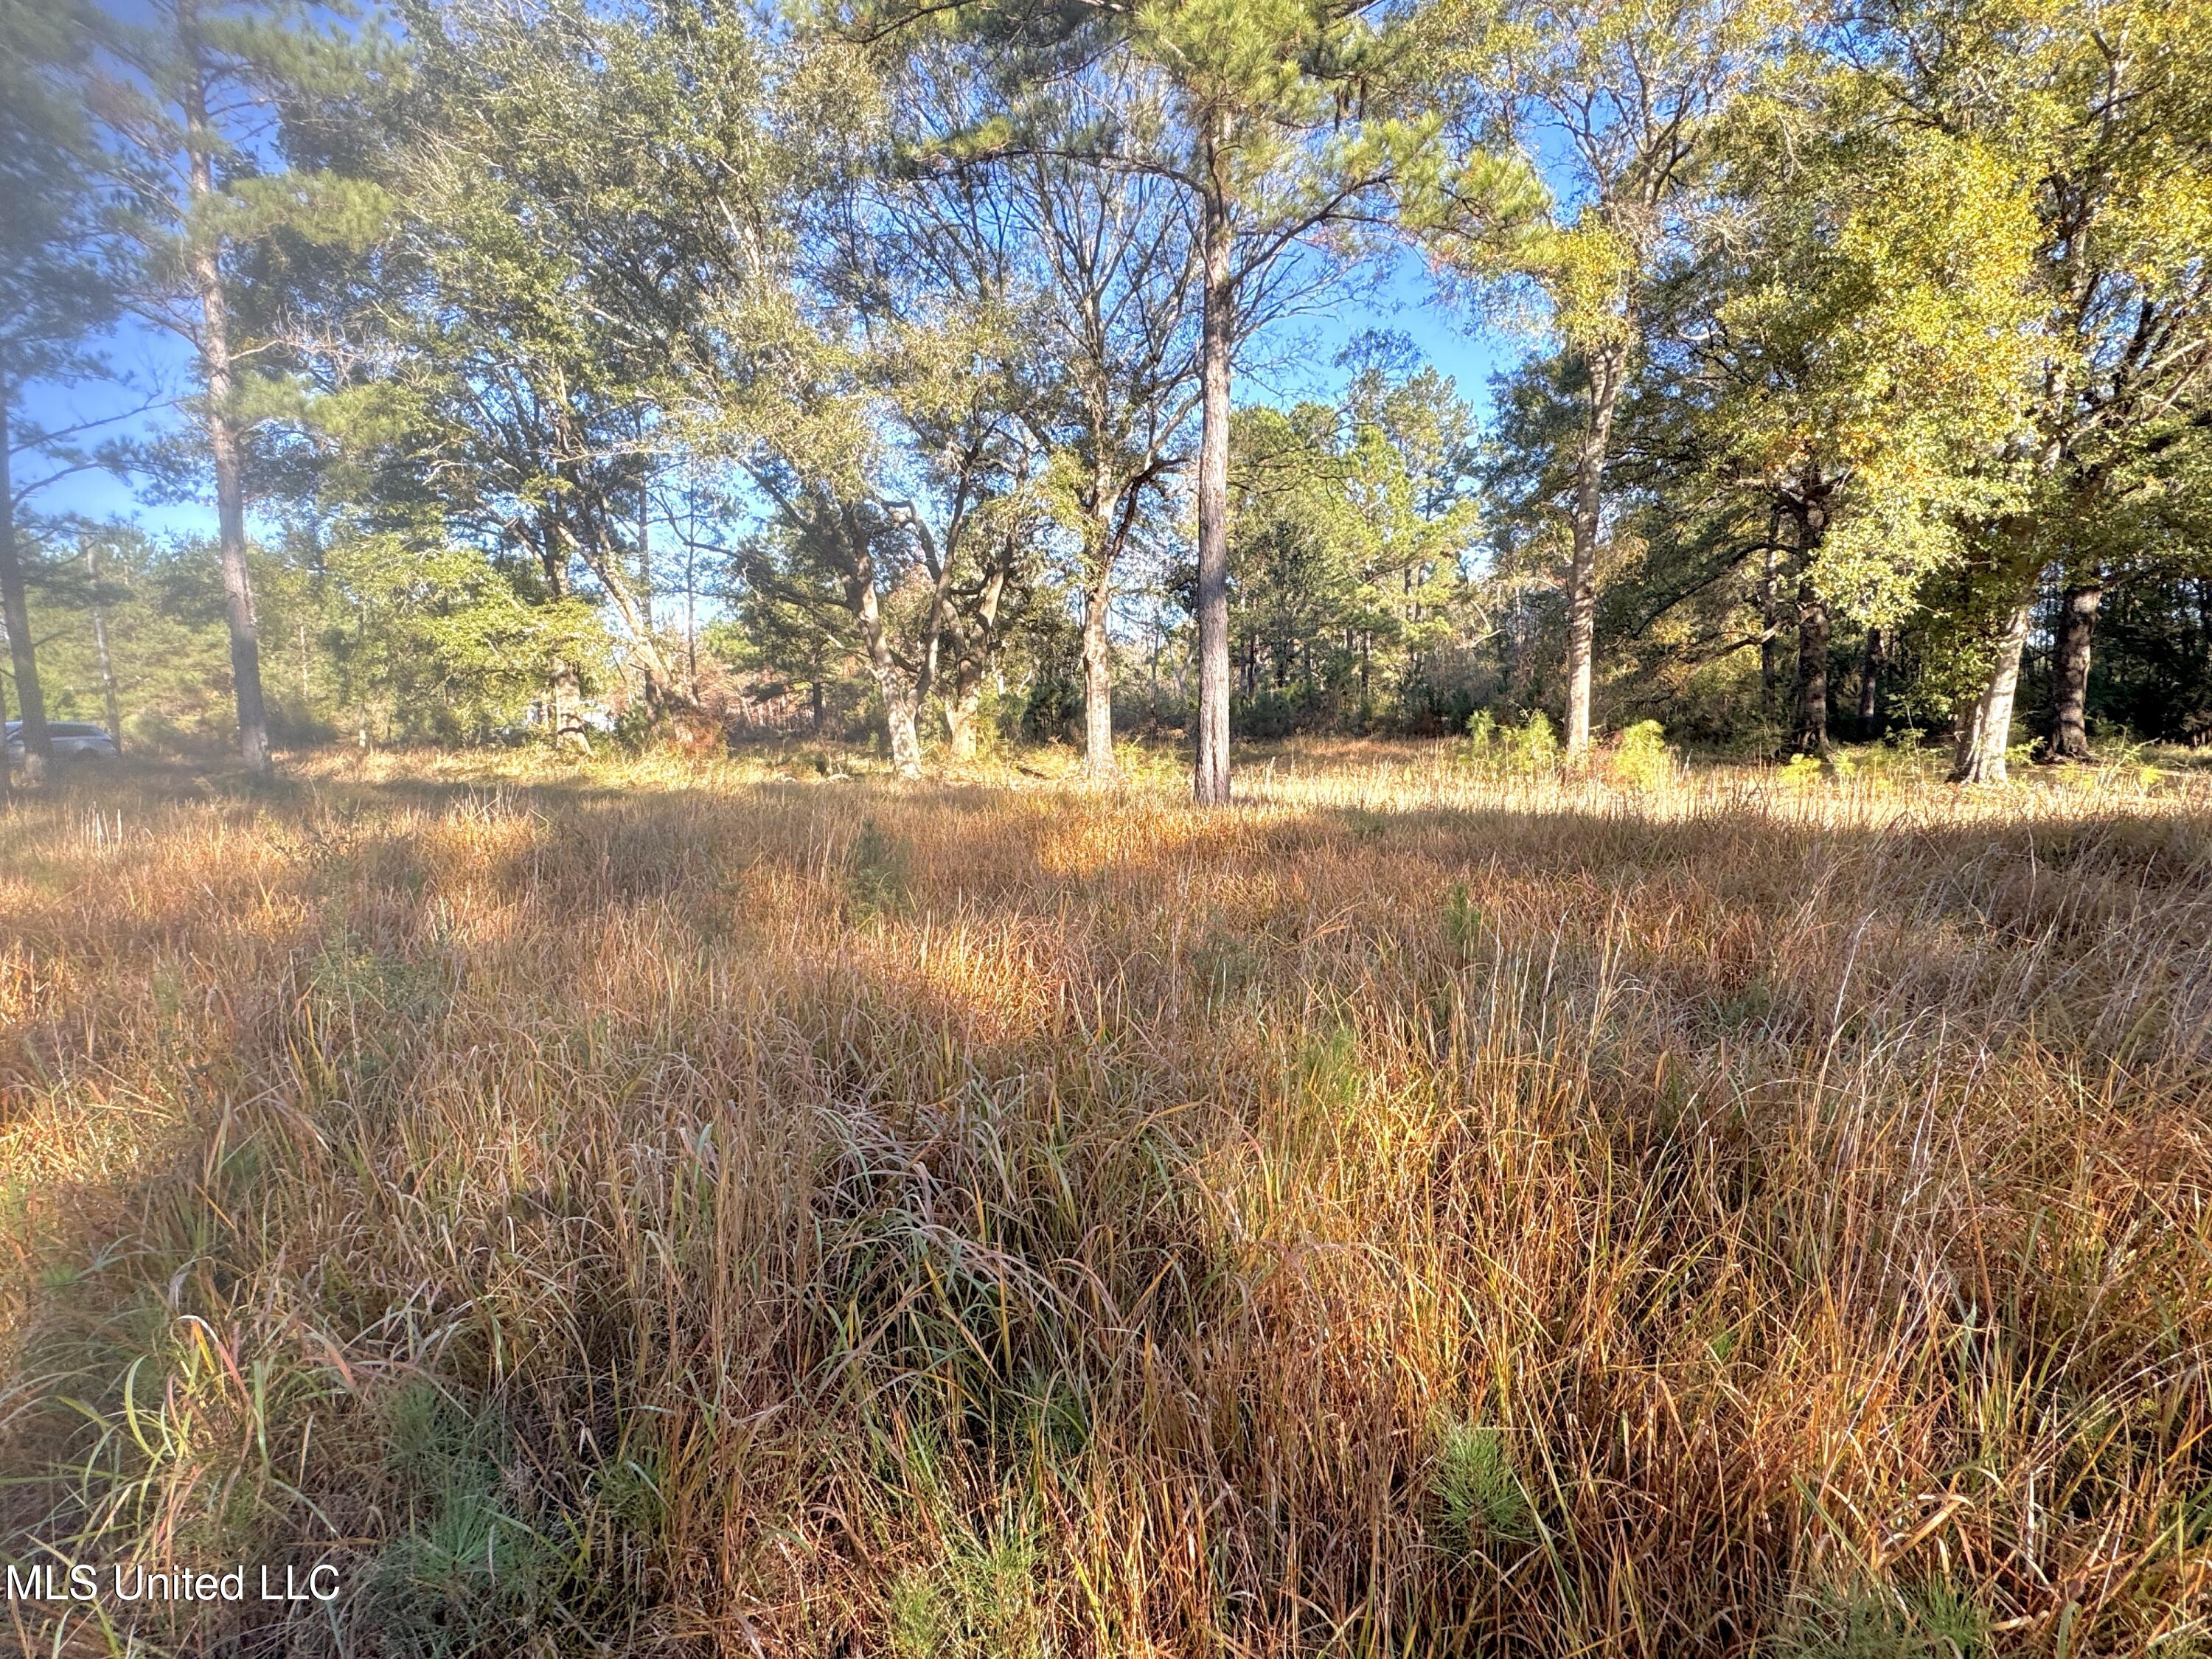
[668,1204]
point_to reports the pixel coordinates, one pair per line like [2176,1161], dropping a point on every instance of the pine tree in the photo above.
[1284,124]
[209,100]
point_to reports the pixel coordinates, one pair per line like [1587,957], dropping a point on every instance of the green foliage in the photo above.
[162,607]
[1050,709]
[1626,93]
[372,635]
[57,281]
[1535,748]
[1934,1621]
[1886,333]
[1353,535]
[467,1571]
[235,137]
[1641,759]
[1329,1075]
[439,643]
[896,347]
[1529,748]
[982,1601]
[1463,919]
[1481,1506]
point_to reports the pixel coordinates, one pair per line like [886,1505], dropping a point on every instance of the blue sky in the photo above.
[146,364]
[1402,300]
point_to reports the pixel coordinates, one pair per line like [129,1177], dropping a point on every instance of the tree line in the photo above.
[897,362]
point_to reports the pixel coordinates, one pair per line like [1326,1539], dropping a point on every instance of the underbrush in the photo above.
[754,1206]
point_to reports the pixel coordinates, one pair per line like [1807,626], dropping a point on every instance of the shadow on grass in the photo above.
[811,1212]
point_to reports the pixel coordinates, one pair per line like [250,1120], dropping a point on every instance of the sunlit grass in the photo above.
[754,1206]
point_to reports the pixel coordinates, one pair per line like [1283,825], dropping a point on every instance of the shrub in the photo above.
[1803,771]
[1931,1621]
[1536,746]
[1641,759]
[875,879]
[1502,750]
[1052,710]
[1480,1499]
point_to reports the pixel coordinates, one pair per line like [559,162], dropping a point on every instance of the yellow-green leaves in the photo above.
[1587,267]
[1879,320]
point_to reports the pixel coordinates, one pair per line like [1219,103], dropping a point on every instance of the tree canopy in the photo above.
[948,373]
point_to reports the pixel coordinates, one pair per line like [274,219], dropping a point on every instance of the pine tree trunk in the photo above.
[2077,626]
[223,437]
[1870,686]
[691,606]
[1986,730]
[108,698]
[1605,364]
[1211,784]
[16,615]
[645,553]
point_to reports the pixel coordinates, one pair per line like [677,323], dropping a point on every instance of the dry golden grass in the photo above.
[625,1206]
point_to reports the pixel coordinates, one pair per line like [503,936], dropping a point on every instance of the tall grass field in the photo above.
[671,1207]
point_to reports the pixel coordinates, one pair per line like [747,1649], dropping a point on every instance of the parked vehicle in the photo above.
[74,740]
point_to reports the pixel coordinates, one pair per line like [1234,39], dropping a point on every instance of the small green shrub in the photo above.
[349,972]
[467,1572]
[1641,759]
[1228,969]
[921,1625]
[1480,1499]
[1803,771]
[1536,746]
[1052,711]
[1934,1621]
[982,1599]
[1503,750]
[1330,1075]
[1462,919]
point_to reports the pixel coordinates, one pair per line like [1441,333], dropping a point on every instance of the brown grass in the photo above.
[630,1207]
